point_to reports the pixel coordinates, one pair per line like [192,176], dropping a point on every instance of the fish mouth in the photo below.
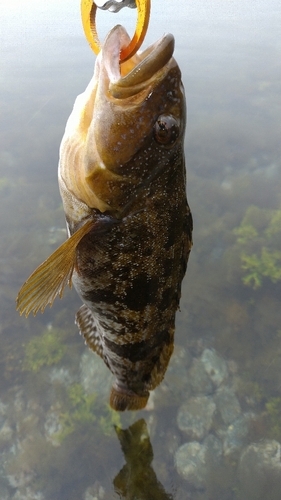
[144,68]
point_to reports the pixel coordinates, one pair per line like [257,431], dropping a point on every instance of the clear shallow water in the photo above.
[57,439]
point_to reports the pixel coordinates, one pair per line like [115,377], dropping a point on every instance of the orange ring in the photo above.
[88,14]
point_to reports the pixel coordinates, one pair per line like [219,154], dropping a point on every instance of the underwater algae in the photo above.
[82,409]
[259,243]
[46,350]
[75,408]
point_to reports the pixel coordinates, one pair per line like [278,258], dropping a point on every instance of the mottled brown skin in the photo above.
[131,279]
[130,274]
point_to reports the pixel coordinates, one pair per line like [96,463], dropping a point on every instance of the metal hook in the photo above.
[115,5]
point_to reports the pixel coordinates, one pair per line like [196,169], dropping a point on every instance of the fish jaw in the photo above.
[112,123]
[130,78]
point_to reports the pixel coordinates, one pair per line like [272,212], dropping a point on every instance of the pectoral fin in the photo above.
[50,278]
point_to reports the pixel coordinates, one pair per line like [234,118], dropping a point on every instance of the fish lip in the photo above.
[144,67]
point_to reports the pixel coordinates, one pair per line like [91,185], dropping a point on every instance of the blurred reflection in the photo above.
[137,478]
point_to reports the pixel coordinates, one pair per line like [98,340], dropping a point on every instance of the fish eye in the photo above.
[166,130]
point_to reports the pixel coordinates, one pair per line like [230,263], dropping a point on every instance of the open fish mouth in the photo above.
[136,74]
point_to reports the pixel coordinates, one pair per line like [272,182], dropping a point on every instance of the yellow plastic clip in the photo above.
[88,14]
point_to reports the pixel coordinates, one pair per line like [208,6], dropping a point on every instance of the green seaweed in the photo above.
[259,241]
[245,233]
[45,350]
[268,265]
[83,410]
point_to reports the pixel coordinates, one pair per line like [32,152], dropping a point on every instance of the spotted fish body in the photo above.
[122,182]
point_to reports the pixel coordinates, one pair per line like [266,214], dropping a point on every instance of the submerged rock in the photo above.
[195,417]
[190,463]
[207,373]
[227,404]
[215,366]
[199,379]
[259,471]
[194,460]
[236,434]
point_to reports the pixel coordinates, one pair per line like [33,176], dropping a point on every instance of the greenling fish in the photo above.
[122,182]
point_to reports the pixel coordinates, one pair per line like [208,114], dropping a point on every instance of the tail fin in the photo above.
[122,398]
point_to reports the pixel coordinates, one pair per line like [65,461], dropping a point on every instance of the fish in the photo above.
[122,181]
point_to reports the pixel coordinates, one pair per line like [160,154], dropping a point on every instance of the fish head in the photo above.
[126,127]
